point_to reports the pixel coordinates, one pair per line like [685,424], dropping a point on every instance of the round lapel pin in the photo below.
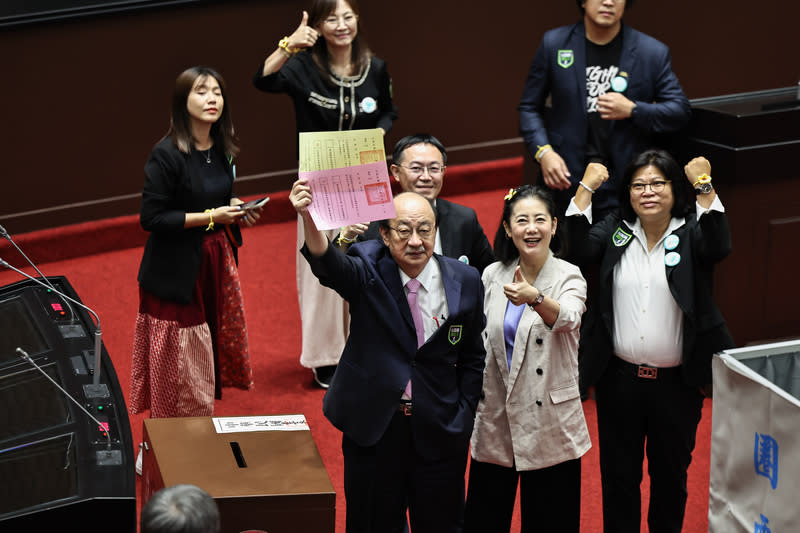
[368,105]
[619,84]
[672,259]
[671,242]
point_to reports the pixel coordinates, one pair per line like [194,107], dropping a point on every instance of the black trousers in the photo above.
[382,481]
[635,416]
[550,498]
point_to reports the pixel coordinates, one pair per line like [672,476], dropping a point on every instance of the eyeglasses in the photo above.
[433,170]
[347,19]
[424,232]
[655,186]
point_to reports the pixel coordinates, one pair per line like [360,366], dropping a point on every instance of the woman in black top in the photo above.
[190,337]
[335,84]
[334,81]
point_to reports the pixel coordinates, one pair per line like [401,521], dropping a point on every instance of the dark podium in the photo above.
[271,481]
[753,143]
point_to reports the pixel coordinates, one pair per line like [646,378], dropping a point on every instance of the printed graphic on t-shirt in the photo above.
[598,81]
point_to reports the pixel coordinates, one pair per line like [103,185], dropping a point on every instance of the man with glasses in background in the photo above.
[418,164]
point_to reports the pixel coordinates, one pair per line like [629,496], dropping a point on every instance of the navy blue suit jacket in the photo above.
[381,353]
[661,105]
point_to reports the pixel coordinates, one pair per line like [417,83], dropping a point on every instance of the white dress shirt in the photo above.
[648,324]
[437,243]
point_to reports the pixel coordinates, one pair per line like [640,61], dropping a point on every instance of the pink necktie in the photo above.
[413,286]
[416,314]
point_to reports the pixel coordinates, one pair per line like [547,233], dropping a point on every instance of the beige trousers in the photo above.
[324,315]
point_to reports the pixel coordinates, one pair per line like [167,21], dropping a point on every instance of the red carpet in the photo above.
[106,281]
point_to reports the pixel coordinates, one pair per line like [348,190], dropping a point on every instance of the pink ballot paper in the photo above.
[347,173]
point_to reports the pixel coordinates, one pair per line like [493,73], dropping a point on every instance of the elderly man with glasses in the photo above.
[407,385]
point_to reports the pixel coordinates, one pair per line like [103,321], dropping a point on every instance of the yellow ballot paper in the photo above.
[347,173]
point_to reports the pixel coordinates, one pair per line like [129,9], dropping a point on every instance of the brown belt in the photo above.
[404,407]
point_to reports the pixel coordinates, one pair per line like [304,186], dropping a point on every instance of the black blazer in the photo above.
[381,353]
[172,253]
[461,234]
[702,244]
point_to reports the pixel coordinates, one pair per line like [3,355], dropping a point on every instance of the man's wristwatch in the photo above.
[703,184]
[536,301]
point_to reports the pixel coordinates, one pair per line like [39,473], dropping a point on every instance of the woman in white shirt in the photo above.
[650,329]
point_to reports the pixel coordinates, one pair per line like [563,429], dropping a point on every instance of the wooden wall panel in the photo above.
[780,270]
[84,100]
[755,287]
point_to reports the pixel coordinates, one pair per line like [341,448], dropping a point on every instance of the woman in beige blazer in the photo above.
[529,428]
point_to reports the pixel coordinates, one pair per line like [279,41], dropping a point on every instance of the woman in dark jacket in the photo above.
[650,329]
[190,337]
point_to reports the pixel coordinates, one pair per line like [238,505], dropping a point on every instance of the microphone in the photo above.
[96,389]
[6,235]
[27,358]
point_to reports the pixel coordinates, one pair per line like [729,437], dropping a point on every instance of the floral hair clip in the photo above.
[510,195]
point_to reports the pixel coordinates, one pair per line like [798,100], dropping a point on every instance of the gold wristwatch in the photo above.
[703,184]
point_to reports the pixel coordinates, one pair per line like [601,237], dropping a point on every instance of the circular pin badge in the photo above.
[671,242]
[464,259]
[368,105]
[619,84]
[672,259]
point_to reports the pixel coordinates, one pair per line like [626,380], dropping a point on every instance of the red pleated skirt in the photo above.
[183,354]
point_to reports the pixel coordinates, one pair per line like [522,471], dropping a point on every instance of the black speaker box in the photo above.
[59,466]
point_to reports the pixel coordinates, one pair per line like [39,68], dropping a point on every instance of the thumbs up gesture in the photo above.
[520,291]
[304,36]
[518,277]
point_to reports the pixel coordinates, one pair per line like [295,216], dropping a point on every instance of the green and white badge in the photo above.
[621,237]
[566,58]
[454,334]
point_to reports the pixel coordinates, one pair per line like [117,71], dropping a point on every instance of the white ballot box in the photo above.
[755,440]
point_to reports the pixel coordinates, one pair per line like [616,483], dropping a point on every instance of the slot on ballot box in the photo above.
[264,472]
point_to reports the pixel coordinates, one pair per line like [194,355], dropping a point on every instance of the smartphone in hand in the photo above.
[253,204]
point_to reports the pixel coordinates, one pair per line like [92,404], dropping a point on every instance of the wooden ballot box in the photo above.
[272,481]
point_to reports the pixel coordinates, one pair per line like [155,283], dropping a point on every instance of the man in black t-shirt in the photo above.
[623,94]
